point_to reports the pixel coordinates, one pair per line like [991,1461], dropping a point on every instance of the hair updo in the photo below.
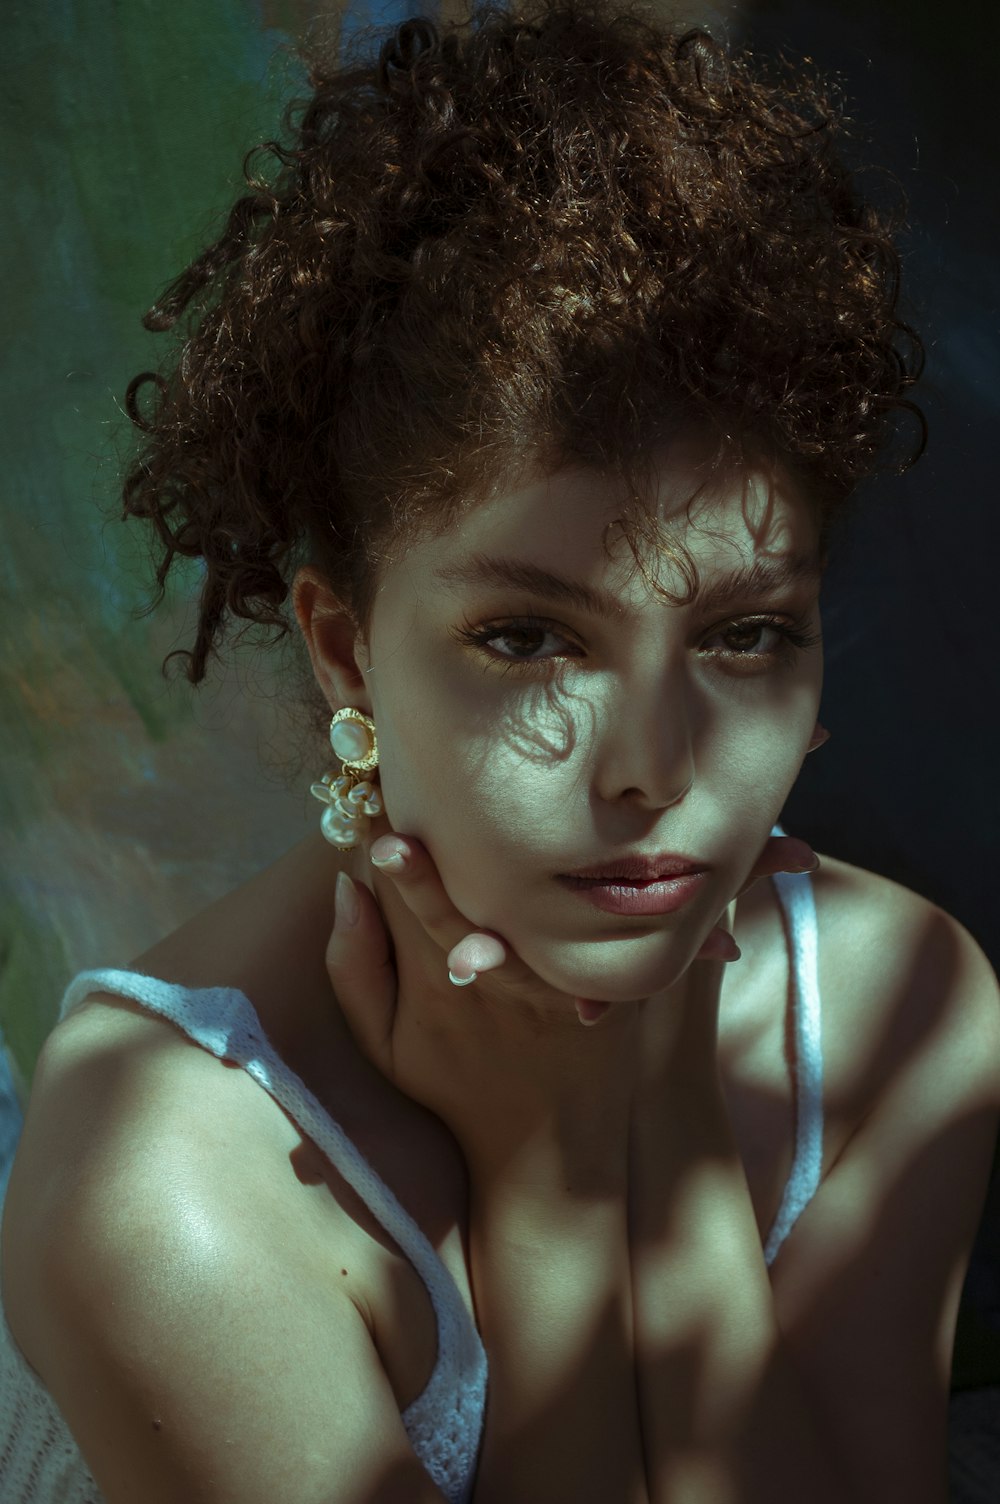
[559,231]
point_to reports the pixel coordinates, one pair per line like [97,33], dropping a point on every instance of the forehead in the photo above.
[572,520]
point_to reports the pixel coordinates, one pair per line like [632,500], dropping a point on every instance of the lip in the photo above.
[616,895]
[639,868]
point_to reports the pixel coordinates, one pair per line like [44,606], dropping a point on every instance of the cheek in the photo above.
[748,771]
[463,796]
[461,745]
[484,789]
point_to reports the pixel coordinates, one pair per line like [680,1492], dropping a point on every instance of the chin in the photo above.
[612,971]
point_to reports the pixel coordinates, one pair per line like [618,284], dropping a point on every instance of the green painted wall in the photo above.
[124,128]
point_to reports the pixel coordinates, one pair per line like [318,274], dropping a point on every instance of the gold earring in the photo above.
[350,796]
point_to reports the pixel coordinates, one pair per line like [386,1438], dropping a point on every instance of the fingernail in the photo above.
[590,1012]
[347,908]
[388,855]
[461,981]
[821,735]
[804,866]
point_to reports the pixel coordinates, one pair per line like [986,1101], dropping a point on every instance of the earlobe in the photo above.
[332,638]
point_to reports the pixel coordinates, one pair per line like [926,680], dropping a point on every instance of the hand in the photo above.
[361,968]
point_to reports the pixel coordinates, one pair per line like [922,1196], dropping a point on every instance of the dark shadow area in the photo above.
[906,785]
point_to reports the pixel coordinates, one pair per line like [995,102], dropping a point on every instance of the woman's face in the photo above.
[540,709]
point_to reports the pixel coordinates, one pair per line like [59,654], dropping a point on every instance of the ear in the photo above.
[333,640]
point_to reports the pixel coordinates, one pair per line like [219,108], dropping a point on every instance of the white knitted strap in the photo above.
[795,894]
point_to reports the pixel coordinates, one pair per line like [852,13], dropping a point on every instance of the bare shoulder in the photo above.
[153,1298]
[895,973]
[900,979]
[854,901]
[121,1099]
[867,1285]
[115,1078]
[124,1105]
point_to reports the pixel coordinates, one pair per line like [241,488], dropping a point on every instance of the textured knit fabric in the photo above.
[39,1460]
[795,894]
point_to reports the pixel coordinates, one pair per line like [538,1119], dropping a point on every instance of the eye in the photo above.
[524,640]
[792,638]
[532,642]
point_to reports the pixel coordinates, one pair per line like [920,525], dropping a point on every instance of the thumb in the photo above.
[719,944]
[361,969]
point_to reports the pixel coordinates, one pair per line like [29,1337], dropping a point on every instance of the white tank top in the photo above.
[40,1462]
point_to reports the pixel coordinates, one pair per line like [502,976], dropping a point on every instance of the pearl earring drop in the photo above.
[351,797]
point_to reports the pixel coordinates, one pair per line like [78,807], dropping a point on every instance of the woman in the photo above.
[538,382]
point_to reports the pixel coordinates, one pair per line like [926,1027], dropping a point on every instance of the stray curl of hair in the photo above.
[558,233]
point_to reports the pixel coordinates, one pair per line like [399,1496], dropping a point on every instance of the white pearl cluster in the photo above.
[350,797]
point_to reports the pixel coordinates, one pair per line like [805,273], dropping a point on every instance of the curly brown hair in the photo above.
[558,230]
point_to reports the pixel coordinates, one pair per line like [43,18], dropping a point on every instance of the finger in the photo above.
[411,868]
[408,864]
[475,954]
[781,854]
[360,966]
[718,945]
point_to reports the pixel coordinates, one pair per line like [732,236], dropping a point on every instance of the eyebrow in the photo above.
[746,581]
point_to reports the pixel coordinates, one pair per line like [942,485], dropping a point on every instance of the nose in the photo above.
[645,752]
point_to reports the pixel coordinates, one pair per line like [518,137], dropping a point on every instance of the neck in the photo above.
[541,1105]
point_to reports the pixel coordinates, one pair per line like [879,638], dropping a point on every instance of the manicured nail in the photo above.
[590,1012]
[347,910]
[388,855]
[461,981]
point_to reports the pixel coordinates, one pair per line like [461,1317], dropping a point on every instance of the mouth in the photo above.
[636,896]
[612,880]
[636,871]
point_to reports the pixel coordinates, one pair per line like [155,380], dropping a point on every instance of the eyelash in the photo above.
[795,639]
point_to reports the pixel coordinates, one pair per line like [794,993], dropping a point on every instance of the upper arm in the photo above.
[867,1287]
[195,1359]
